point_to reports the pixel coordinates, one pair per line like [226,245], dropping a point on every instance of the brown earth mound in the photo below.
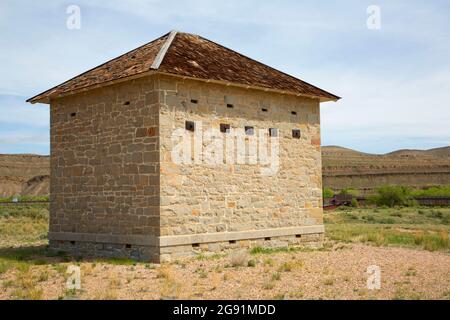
[346,168]
[24,174]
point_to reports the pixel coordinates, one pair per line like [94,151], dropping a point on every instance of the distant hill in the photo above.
[346,168]
[437,152]
[26,174]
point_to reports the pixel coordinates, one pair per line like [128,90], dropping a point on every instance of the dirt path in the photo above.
[338,273]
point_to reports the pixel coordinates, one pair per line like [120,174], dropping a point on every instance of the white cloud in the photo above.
[21,137]
[14,110]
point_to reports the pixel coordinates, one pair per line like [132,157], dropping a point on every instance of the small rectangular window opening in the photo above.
[127,103]
[128,246]
[195,245]
[249,131]
[273,132]
[72,242]
[267,239]
[190,126]
[296,134]
[298,235]
[73,114]
[294,113]
[229,105]
[195,101]
[264,110]
[232,241]
[224,128]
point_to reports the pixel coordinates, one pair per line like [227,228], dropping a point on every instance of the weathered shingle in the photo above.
[187,55]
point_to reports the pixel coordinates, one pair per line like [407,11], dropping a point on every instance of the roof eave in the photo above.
[330,99]
[47,98]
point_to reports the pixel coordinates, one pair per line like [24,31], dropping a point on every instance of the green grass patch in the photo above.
[33,211]
[206,257]
[119,261]
[424,228]
[24,198]
[399,215]
[262,250]
[380,236]
[21,258]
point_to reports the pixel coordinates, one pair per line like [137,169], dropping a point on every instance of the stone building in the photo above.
[131,175]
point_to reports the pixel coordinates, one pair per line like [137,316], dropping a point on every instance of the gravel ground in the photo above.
[338,272]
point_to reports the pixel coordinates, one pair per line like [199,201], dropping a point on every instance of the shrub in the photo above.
[349,192]
[269,262]
[285,267]
[328,193]
[354,203]
[439,191]
[391,196]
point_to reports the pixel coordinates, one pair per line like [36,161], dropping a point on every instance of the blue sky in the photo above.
[395,81]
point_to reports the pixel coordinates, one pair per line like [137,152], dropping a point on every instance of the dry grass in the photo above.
[338,271]
[170,288]
[25,286]
[23,225]
[239,258]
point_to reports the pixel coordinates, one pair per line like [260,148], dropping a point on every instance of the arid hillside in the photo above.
[25,174]
[346,168]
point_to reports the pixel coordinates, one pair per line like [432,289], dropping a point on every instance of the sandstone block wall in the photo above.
[201,198]
[116,191]
[105,166]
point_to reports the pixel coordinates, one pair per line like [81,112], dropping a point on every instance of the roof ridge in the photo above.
[164,48]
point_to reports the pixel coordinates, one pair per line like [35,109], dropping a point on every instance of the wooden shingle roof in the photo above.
[190,56]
